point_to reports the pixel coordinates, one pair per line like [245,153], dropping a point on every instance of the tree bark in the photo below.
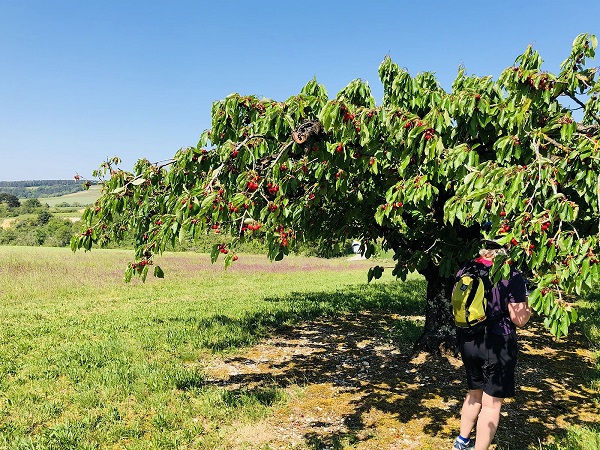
[439,334]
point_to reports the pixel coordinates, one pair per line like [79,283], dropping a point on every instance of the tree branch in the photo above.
[588,129]
[553,142]
[283,149]
[580,103]
[538,157]
[216,173]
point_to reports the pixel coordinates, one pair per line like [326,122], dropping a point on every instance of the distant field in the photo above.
[84,197]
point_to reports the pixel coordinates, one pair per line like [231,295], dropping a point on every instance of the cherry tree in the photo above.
[426,175]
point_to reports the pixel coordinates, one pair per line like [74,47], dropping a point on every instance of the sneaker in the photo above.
[459,445]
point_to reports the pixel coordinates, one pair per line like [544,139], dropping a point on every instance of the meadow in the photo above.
[87,197]
[89,362]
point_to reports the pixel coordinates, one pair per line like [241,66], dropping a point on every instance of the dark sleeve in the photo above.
[462,269]
[517,289]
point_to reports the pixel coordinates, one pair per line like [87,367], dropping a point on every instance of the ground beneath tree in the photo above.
[350,385]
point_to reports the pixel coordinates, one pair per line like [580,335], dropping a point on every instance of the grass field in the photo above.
[87,197]
[88,362]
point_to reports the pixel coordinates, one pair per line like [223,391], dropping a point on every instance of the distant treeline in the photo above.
[40,188]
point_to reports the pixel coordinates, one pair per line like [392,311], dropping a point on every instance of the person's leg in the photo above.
[470,411]
[487,422]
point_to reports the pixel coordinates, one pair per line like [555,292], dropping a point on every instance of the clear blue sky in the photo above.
[82,80]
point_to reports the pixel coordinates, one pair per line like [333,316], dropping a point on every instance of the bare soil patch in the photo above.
[350,385]
[5,224]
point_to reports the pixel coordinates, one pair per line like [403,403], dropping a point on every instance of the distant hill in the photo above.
[41,188]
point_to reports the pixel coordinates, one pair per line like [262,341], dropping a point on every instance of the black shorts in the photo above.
[490,361]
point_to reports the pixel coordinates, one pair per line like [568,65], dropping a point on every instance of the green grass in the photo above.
[88,362]
[581,437]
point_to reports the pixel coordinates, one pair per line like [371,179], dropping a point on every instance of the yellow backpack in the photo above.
[470,296]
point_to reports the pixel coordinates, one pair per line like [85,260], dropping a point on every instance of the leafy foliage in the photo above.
[12,201]
[420,173]
[43,229]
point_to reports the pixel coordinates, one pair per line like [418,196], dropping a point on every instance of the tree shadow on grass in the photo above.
[360,344]
[221,333]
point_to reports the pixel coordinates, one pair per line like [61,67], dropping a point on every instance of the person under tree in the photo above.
[490,354]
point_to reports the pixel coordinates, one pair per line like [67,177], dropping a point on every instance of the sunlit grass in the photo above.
[87,361]
[582,437]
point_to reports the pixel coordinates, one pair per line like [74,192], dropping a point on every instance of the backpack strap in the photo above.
[484,274]
[471,297]
[503,302]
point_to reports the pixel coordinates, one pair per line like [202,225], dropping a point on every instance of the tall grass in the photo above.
[89,362]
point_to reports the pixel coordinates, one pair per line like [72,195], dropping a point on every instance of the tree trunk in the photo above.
[439,334]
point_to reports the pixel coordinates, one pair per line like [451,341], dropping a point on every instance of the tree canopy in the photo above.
[10,199]
[427,173]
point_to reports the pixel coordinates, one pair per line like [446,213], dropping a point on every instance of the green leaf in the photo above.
[208,200]
[228,260]
[534,298]
[214,254]
[128,274]
[74,243]
[374,168]
[144,273]
[554,328]
[158,272]
[574,315]
[564,326]
[319,172]
[379,215]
